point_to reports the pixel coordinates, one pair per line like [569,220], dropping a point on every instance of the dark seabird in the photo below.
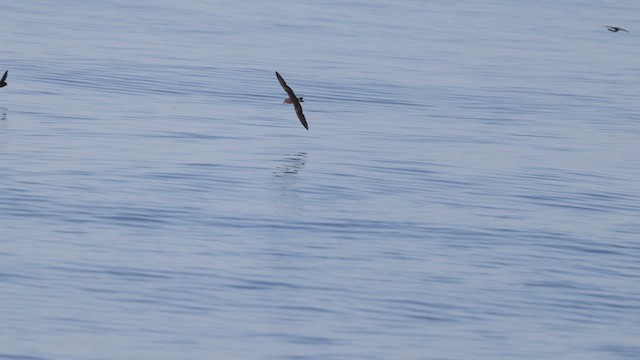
[3,83]
[614,28]
[293,99]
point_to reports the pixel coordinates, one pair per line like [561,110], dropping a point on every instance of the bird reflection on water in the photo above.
[292,165]
[288,185]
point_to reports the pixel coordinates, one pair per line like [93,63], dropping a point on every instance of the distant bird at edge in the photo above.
[614,28]
[293,99]
[3,83]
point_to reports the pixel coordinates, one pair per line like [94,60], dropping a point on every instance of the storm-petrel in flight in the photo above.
[293,99]
[614,28]
[3,83]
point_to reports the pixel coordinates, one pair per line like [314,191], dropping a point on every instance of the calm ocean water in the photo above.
[469,187]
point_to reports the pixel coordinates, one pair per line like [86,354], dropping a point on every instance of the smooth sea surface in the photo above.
[469,187]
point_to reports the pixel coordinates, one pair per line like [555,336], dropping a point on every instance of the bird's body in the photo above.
[3,83]
[293,99]
[614,28]
[289,101]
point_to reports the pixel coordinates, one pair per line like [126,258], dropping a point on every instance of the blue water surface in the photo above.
[468,188]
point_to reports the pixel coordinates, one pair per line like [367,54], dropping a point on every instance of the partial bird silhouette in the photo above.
[288,101]
[293,99]
[3,83]
[614,28]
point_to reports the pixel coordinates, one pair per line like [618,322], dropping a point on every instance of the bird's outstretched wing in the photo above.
[294,100]
[298,108]
[4,77]
[286,88]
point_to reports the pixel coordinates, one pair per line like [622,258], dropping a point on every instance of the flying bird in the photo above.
[293,99]
[3,83]
[614,28]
